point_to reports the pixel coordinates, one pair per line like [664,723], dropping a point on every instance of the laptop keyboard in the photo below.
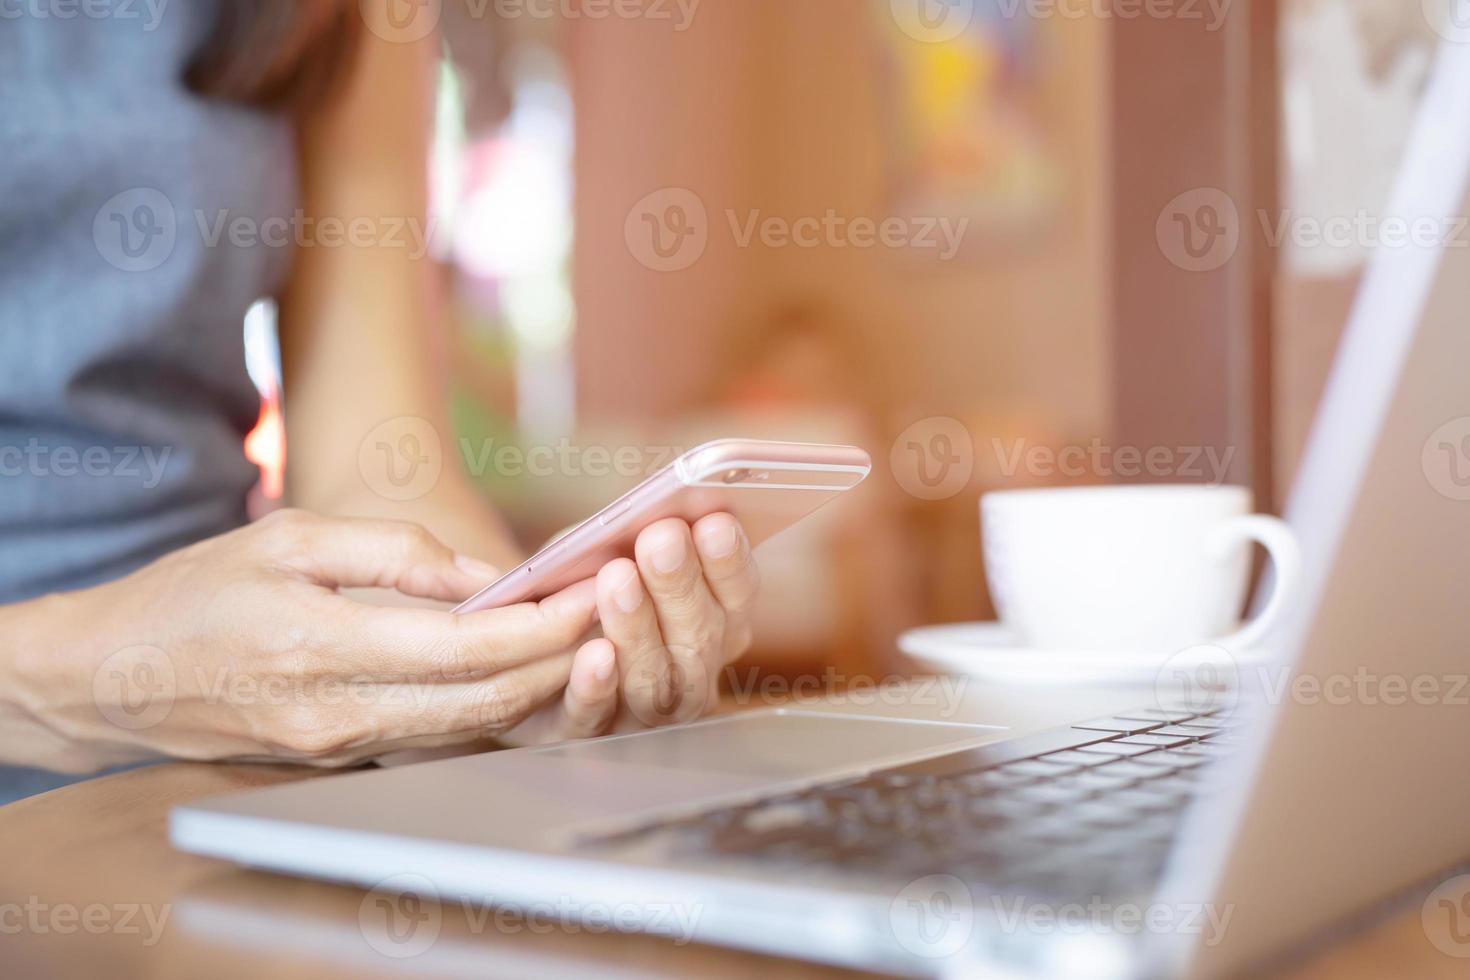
[1090,809]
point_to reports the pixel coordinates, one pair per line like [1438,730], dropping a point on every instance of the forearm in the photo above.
[47,689]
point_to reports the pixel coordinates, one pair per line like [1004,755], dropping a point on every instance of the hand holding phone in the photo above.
[766,486]
[675,578]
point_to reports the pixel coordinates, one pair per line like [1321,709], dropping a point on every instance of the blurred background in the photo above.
[977,237]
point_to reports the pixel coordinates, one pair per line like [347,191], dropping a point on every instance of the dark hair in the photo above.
[276,53]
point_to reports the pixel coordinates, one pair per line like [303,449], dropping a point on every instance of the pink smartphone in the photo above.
[768,486]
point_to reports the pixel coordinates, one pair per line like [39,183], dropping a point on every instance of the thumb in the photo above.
[339,552]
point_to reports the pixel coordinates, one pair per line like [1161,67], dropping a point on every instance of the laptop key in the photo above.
[1169,716]
[1157,739]
[1189,730]
[1071,757]
[1173,759]
[1123,726]
[1119,767]
[1052,794]
[1118,748]
[1038,768]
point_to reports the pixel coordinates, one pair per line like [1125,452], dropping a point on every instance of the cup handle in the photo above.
[1276,536]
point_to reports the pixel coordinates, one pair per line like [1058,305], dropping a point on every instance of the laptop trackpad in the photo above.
[773,745]
[619,777]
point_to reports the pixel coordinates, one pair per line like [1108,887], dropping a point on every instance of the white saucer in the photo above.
[991,651]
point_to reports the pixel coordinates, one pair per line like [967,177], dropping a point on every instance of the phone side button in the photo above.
[613,513]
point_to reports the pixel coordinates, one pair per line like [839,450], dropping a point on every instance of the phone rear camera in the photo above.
[737,476]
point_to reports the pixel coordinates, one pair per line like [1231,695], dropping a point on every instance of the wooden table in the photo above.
[89,887]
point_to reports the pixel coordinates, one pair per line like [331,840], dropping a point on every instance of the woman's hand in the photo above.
[675,618]
[240,647]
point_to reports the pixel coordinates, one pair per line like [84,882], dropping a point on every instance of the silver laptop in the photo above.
[1200,835]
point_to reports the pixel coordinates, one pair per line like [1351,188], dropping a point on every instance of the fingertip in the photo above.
[718,536]
[661,543]
[601,658]
[476,569]
[575,600]
[614,574]
[619,584]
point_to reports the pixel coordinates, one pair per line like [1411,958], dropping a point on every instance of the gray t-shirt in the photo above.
[124,397]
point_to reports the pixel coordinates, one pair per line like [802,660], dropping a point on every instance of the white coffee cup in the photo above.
[1140,569]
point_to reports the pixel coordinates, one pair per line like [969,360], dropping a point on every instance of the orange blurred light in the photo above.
[265,446]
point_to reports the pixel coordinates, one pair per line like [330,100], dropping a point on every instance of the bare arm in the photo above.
[361,323]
